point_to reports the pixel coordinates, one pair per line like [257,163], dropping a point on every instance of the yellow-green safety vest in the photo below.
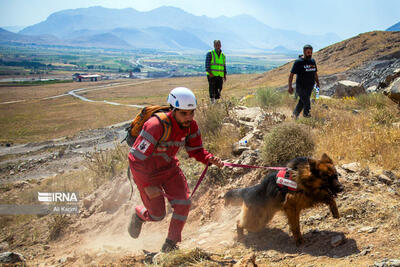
[217,65]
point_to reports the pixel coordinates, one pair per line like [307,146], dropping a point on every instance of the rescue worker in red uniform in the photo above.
[155,168]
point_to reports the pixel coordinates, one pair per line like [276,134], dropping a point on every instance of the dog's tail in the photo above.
[234,197]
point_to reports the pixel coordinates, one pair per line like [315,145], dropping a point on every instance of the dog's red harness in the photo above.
[284,178]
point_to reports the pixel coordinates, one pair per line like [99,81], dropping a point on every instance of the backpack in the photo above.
[136,125]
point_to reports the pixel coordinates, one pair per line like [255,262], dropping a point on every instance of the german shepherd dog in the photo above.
[317,182]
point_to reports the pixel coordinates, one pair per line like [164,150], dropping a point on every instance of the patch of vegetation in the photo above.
[217,138]
[107,164]
[366,137]
[269,98]
[185,258]
[384,116]
[285,142]
[57,226]
[376,100]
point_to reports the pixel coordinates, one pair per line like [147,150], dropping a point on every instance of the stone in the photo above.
[392,191]
[348,88]
[393,91]
[11,257]
[387,263]
[337,240]
[365,251]
[372,89]
[384,179]
[46,247]
[352,167]
[238,149]
[367,229]
[248,114]
[390,174]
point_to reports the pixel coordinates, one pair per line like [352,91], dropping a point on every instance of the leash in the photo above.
[254,167]
[203,174]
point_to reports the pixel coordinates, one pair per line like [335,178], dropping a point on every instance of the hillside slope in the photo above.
[341,57]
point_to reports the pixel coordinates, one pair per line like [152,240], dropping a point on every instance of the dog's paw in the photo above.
[336,215]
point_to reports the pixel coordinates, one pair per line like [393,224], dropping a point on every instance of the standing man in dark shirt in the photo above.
[216,71]
[305,69]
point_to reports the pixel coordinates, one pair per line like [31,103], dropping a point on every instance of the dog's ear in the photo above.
[326,159]
[313,163]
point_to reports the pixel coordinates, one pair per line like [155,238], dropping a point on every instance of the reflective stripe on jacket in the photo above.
[154,159]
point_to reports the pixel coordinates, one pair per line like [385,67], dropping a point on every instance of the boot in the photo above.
[169,246]
[135,226]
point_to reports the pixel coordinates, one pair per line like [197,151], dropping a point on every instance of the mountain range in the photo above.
[394,28]
[165,28]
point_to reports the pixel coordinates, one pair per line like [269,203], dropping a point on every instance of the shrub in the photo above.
[57,226]
[384,116]
[108,163]
[184,258]
[376,100]
[217,138]
[268,97]
[285,142]
[210,118]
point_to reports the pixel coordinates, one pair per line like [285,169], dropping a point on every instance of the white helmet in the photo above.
[182,98]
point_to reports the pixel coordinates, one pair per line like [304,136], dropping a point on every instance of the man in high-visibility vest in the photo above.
[216,71]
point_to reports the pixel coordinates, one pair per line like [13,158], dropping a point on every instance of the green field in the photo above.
[45,60]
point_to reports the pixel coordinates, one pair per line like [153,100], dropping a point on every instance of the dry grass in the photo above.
[366,137]
[285,142]
[217,137]
[183,258]
[14,93]
[38,120]
[57,226]
[107,164]
[47,119]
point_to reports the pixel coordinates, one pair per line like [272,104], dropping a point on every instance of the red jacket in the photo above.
[153,160]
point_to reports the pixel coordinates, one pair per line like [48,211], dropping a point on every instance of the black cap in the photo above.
[307,46]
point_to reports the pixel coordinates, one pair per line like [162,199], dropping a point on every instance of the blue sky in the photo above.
[343,17]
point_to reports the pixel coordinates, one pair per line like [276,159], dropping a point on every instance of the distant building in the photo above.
[86,77]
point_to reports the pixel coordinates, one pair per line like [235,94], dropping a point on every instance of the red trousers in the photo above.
[176,191]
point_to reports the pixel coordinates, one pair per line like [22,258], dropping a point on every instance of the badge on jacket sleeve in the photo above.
[143,146]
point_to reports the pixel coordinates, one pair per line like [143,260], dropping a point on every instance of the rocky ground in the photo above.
[367,234]
[44,159]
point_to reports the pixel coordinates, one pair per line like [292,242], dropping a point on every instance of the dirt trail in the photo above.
[368,228]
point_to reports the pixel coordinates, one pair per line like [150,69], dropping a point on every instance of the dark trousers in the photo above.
[304,101]
[215,86]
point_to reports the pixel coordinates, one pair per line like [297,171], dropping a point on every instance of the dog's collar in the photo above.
[284,178]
